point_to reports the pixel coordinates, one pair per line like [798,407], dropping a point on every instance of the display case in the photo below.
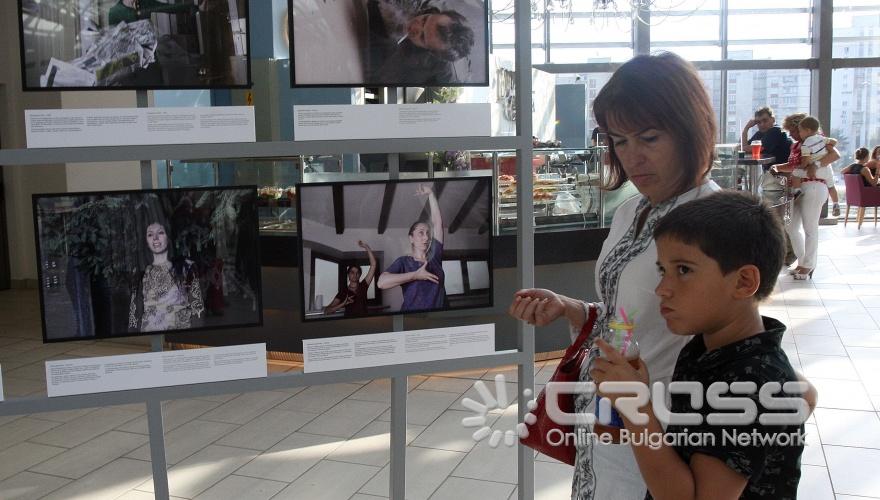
[565,188]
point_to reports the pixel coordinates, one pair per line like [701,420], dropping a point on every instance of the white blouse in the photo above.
[637,277]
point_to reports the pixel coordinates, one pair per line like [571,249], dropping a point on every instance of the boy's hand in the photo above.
[613,367]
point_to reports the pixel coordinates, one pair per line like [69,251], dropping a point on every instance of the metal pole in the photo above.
[525,235]
[397,469]
[155,425]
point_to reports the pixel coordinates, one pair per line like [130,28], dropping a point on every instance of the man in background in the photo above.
[416,46]
[774,142]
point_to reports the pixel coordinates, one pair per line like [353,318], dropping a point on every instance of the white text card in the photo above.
[414,346]
[375,121]
[155,369]
[61,128]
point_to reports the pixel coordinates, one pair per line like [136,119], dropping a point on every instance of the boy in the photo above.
[713,277]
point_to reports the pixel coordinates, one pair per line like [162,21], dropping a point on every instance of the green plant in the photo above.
[100,235]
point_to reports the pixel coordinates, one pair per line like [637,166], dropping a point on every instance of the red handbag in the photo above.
[569,370]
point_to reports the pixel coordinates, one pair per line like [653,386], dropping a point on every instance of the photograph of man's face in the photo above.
[134,43]
[389,42]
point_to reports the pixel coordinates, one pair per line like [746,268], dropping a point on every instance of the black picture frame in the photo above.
[481,185]
[48,272]
[29,88]
[295,82]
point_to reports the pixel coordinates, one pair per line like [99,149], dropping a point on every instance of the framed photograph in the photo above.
[390,247]
[389,43]
[134,44]
[126,263]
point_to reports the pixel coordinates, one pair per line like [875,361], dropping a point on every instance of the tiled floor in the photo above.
[331,442]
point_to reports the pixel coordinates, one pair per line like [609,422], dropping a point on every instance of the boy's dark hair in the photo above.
[733,228]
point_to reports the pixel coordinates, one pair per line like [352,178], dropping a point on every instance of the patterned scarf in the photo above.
[628,248]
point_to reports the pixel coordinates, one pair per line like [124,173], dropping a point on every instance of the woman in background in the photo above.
[354,296]
[860,168]
[420,274]
[166,294]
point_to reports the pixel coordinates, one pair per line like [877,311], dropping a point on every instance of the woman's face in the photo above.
[157,239]
[420,237]
[650,160]
[794,132]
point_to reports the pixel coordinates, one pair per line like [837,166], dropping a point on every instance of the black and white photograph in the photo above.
[415,43]
[389,247]
[139,262]
[134,44]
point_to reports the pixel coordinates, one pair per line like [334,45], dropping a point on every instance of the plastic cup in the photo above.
[756,149]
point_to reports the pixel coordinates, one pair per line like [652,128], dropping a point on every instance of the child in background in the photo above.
[713,276]
[813,149]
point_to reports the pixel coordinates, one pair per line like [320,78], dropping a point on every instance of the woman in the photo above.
[860,168]
[420,274]
[354,296]
[874,162]
[166,294]
[807,208]
[661,129]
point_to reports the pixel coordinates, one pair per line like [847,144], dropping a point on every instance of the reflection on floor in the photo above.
[331,442]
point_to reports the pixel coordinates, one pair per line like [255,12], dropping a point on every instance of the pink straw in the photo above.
[629,331]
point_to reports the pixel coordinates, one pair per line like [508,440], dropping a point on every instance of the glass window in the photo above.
[856,28]
[781,31]
[786,91]
[712,83]
[590,36]
[855,109]
[692,29]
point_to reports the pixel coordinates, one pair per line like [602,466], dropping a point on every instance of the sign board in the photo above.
[61,128]
[414,346]
[154,369]
[343,121]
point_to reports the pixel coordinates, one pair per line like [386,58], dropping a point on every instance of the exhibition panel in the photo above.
[139,262]
[371,248]
[146,44]
[389,44]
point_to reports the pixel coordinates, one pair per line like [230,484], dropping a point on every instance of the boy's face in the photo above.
[694,294]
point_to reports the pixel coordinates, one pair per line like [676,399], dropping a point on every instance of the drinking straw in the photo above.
[629,331]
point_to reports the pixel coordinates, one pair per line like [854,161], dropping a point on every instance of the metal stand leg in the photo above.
[397,470]
[157,437]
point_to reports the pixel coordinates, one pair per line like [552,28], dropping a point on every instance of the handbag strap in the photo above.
[586,329]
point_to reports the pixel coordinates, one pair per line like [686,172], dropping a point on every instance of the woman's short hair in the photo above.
[793,120]
[861,154]
[662,91]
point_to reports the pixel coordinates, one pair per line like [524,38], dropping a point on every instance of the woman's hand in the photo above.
[536,306]
[364,245]
[613,367]
[423,190]
[422,274]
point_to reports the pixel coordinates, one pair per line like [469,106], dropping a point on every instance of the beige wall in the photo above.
[21,182]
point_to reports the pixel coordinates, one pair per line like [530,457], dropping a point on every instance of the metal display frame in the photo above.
[523,357]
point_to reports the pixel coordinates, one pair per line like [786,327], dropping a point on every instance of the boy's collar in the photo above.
[768,340]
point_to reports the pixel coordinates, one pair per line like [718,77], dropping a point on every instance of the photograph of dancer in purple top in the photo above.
[420,274]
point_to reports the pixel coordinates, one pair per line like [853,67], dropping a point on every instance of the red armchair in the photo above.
[861,196]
